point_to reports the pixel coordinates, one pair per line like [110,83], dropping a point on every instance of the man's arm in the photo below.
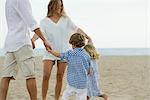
[23,8]
[35,37]
[38,34]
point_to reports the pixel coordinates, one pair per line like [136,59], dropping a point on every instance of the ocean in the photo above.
[105,51]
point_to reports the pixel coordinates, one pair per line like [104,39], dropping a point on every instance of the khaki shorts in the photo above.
[23,59]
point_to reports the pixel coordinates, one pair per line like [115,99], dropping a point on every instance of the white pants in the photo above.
[81,94]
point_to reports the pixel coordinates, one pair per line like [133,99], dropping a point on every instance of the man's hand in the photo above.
[33,44]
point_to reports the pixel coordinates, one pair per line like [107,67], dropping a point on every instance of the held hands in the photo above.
[46,44]
[38,34]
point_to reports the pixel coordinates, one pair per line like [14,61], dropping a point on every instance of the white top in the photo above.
[58,34]
[19,19]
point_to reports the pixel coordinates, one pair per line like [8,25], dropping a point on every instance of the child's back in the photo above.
[78,64]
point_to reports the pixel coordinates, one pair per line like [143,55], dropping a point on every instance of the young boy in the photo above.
[78,68]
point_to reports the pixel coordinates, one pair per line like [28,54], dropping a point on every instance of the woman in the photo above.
[57,28]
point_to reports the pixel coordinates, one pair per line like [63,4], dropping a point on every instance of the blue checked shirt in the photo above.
[78,64]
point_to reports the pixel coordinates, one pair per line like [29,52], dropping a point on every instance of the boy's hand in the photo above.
[90,72]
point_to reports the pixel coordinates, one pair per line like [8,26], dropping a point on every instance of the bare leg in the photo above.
[32,89]
[88,98]
[48,65]
[60,73]
[4,87]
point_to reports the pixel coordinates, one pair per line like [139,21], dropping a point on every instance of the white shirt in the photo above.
[19,19]
[58,34]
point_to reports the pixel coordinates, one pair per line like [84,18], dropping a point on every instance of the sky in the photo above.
[110,23]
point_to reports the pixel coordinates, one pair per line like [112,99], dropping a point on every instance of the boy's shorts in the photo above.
[81,94]
[23,59]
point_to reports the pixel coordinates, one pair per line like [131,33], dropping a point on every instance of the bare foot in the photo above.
[104,96]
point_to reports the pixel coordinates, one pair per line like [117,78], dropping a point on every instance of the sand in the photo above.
[122,78]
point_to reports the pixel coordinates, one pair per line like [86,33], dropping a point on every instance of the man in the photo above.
[18,46]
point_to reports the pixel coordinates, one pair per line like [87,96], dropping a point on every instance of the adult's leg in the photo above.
[61,66]
[32,89]
[48,65]
[25,60]
[4,87]
[9,72]
[88,98]
[27,67]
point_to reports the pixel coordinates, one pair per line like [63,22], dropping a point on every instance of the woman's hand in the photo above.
[86,36]
[89,40]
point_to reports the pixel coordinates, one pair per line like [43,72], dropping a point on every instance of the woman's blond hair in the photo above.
[91,50]
[53,6]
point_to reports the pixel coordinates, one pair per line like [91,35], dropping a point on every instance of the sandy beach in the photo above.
[122,78]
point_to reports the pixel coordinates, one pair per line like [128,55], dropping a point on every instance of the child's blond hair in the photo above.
[91,50]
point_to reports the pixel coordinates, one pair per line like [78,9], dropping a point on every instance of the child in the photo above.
[78,67]
[93,84]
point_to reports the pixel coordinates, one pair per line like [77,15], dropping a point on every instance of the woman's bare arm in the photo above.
[83,33]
